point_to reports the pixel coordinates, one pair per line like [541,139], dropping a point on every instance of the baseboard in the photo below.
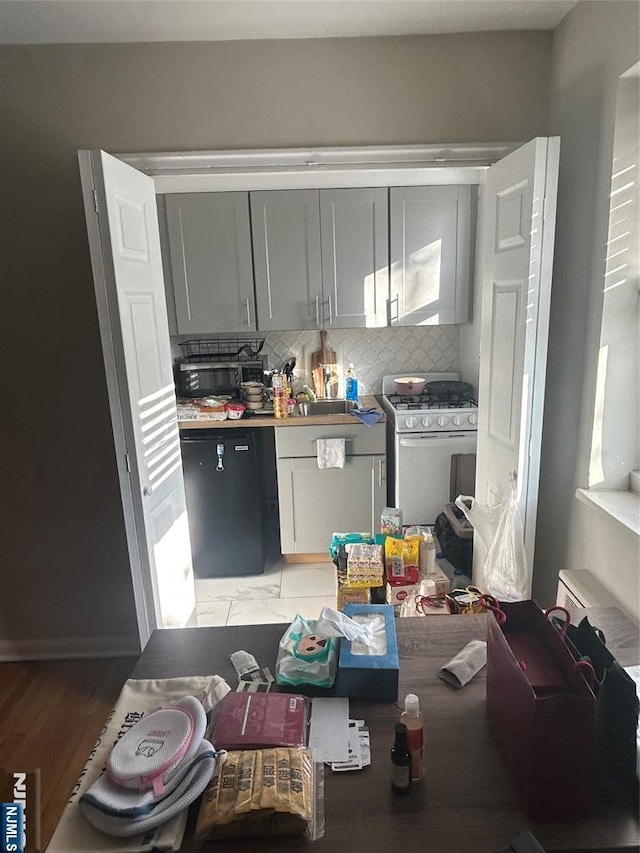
[292,559]
[69,647]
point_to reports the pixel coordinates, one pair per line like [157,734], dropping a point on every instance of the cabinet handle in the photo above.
[380,474]
[392,320]
[317,310]
[248,312]
[330,311]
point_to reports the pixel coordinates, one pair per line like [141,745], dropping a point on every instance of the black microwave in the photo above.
[213,378]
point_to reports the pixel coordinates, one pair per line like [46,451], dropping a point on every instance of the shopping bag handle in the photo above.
[491,603]
[587,670]
[423,601]
[562,630]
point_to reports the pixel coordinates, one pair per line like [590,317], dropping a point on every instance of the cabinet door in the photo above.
[430,231]
[210,249]
[316,503]
[286,247]
[355,257]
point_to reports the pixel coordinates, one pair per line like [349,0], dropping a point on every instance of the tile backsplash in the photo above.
[374,352]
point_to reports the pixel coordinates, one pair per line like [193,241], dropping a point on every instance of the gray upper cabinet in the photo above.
[210,250]
[334,258]
[287,263]
[430,230]
[355,257]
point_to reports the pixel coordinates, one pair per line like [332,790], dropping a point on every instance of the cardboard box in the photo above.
[441,582]
[399,594]
[370,677]
[391,521]
[349,595]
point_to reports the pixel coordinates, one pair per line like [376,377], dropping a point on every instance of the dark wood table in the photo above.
[466,802]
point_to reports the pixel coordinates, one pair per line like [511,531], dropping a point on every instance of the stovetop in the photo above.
[428,412]
[404,403]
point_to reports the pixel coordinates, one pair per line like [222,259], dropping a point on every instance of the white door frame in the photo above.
[106,300]
[223,171]
[318,168]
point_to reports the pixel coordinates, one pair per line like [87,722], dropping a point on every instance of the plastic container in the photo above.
[351,383]
[413,720]
[235,411]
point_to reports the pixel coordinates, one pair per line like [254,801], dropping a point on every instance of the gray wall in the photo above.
[65,567]
[593,45]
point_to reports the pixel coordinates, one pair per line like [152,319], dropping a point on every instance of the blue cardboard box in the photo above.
[373,678]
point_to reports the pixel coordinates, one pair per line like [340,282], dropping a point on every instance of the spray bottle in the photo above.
[351,383]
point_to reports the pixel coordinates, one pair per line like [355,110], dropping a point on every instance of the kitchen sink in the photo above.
[329,407]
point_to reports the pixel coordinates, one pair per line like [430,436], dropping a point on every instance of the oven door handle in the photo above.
[424,440]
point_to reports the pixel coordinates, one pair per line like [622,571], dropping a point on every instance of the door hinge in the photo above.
[127,463]
[95,200]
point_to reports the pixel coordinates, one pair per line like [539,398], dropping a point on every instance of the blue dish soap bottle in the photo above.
[351,383]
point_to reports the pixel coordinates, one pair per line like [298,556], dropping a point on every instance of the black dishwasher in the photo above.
[224,502]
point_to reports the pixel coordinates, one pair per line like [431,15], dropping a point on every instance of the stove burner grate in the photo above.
[430,401]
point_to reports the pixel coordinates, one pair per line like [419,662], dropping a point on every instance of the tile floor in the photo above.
[275,596]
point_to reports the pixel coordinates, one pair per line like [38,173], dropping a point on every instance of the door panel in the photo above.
[286,243]
[211,263]
[125,255]
[517,222]
[316,503]
[355,257]
[504,393]
[423,472]
[430,255]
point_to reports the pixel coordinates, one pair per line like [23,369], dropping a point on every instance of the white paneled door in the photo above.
[517,224]
[120,207]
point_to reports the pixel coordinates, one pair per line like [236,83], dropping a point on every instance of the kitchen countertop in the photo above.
[367,402]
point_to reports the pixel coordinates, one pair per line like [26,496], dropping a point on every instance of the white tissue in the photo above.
[333,623]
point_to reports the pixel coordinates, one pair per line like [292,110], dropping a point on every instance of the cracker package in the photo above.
[263,792]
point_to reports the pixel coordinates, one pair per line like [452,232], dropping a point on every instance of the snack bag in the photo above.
[305,657]
[402,557]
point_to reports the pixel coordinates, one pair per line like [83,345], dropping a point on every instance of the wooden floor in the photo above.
[51,713]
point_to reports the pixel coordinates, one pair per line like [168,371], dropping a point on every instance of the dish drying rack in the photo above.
[222,349]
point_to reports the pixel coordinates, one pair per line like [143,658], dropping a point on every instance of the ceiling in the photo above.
[74,21]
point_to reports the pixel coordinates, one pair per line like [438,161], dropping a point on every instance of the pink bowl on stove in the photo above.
[409,385]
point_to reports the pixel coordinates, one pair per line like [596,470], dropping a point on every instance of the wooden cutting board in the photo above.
[324,358]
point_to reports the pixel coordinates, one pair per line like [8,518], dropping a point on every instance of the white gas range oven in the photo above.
[424,431]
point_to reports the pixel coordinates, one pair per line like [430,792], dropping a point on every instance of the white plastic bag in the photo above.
[500,528]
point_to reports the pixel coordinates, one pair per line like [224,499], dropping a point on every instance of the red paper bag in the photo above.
[542,712]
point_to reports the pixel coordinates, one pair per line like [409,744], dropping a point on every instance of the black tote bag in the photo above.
[617,703]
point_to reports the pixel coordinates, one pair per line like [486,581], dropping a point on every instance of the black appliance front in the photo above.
[209,379]
[224,502]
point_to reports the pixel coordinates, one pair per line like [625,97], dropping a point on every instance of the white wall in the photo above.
[592,47]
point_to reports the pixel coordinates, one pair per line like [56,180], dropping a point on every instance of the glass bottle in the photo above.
[401,761]
[413,720]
